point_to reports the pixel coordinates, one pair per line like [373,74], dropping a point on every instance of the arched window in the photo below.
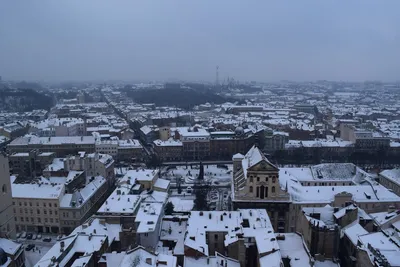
[273,189]
[251,189]
[4,189]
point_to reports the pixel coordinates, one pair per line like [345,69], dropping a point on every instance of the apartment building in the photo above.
[77,206]
[245,235]
[59,127]
[36,206]
[93,164]
[61,146]
[168,150]
[30,164]
[123,150]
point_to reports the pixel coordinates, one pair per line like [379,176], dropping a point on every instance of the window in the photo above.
[20,203]
[251,189]
[274,179]
[50,205]
[50,212]
[38,219]
[273,189]
[30,204]
[44,211]
[38,211]
[22,219]
[31,219]
[37,204]
[251,179]
[45,220]
[51,220]
[44,204]
[216,236]
[55,205]
[257,191]
[258,179]
[55,212]
[25,204]
[4,189]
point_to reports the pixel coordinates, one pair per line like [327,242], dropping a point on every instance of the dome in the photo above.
[3,256]
[239,131]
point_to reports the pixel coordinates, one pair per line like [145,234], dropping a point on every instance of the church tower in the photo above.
[7,223]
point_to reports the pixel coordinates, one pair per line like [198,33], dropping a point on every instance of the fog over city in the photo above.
[199,133]
[185,40]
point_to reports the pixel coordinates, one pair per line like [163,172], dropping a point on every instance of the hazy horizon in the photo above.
[180,40]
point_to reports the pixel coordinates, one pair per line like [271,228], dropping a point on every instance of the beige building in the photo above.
[36,207]
[7,223]
[256,185]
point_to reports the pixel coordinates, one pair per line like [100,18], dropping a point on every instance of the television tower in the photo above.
[217,76]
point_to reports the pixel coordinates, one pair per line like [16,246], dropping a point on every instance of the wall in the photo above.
[7,224]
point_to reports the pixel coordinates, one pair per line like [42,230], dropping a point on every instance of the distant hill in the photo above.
[182,98]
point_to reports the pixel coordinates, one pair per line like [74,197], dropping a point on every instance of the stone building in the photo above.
[256,185]
[7,223]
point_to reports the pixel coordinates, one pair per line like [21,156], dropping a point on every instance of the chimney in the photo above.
[149,261]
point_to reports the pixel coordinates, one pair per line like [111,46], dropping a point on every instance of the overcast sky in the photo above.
[161,40]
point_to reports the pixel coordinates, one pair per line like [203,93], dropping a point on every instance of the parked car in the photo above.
[18,235]
[34,236]
[39,236]
[29,236]
[29,247]
[23,235]
[47,239]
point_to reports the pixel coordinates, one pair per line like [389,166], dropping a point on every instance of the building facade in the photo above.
[256,185]
[7,223]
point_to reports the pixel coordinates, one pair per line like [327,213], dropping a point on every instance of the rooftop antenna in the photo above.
[217,76]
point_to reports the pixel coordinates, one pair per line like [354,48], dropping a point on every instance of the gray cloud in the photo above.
[153,40]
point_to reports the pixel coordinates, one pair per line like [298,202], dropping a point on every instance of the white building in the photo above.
[59,127]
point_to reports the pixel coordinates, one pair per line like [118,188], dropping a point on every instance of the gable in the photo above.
[263,165]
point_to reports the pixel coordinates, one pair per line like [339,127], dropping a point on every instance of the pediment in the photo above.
[263,165]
